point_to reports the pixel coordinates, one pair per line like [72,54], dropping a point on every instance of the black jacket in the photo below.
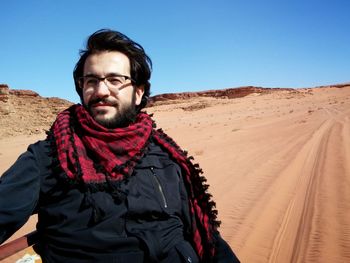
[151,224]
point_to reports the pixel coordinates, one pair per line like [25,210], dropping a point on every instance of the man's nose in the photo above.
[102,90]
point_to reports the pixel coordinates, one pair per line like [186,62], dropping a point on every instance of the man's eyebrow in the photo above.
[114,74]
[90,75]
[111,74]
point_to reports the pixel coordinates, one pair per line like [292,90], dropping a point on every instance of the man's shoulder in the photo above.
[40,147]
[40,144]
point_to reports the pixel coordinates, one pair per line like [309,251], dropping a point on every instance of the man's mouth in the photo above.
[101,105]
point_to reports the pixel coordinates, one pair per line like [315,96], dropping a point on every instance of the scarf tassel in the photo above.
[117,194]
[97,213]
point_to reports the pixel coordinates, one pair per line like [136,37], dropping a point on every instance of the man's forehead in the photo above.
[109,61]
[108,56]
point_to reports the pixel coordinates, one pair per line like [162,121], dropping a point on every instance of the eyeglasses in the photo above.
[115,81]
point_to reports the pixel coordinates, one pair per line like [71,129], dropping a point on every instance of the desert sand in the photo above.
[278,165]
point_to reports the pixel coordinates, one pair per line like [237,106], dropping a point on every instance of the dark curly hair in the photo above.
[109,40]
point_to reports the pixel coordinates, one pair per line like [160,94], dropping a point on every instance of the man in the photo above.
[107,186]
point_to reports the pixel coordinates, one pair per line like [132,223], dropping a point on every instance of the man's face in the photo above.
[111,107]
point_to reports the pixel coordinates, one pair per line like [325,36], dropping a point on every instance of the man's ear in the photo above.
[139,91]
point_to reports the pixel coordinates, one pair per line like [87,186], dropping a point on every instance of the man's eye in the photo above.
[115,80]
[91,81]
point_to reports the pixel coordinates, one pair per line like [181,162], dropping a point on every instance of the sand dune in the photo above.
[278,166]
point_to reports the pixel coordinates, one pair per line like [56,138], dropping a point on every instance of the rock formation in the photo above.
[23,93]
[26,112]
[4,99]
[4,92]
[230,93]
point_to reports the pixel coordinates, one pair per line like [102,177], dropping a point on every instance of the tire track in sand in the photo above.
[296,223]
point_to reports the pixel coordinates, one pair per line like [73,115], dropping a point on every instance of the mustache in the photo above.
[107,101]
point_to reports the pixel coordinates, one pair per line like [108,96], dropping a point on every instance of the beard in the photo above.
[125,113]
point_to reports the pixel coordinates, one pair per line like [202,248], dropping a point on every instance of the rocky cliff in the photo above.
[230,93]
[4,97]
[25,112]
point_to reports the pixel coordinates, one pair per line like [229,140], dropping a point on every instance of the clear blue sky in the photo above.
[195,45]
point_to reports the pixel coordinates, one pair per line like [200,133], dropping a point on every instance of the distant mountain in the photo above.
[229,93]
[25,112]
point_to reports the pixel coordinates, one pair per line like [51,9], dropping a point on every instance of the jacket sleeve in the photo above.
[224,253]
[19,193]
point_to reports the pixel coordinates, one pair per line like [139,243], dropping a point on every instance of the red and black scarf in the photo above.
[94,155]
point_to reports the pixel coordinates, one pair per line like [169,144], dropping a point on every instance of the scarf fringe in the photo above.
[112,187]
[197,189]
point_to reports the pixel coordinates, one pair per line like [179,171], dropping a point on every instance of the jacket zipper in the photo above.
[159,188]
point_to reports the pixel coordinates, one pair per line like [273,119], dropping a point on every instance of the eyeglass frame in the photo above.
[108,84]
